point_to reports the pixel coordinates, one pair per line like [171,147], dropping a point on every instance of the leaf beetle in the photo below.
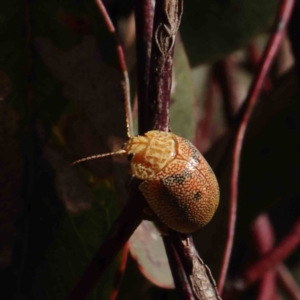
[177,182]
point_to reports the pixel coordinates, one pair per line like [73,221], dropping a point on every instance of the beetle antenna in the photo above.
[122,151]
[126,90]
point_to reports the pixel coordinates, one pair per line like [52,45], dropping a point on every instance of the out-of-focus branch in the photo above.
[243,118]
[263,236]
[271,259]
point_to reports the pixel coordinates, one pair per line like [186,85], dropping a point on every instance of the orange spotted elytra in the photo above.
[177,182]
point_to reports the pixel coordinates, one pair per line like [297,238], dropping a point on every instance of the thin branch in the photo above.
[243,119]
[122,65]
[267,287]
[155,100]
[263,235]
[156,109]
[165,26]
[271,259]
[181,281]
[202,283]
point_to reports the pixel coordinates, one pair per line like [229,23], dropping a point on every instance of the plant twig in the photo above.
[263,235]
[154,106]
[180,279]
[202,283]
[122,66]
[270,260]
[242,121]
[165,26]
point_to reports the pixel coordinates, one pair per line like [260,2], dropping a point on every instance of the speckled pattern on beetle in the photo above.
[178,183]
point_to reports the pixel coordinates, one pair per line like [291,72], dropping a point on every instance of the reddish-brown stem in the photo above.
[122,229]
[112,29]
[271,259]
[263,236]
[243,119]
[165,25]
[266,266]
[180,279]
[144,12]
[122,66]
[201,281]
[267,287]
[154,92]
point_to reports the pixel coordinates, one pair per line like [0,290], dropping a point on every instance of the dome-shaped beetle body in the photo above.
[178,184]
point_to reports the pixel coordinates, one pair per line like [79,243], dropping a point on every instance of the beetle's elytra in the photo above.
[178,184]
